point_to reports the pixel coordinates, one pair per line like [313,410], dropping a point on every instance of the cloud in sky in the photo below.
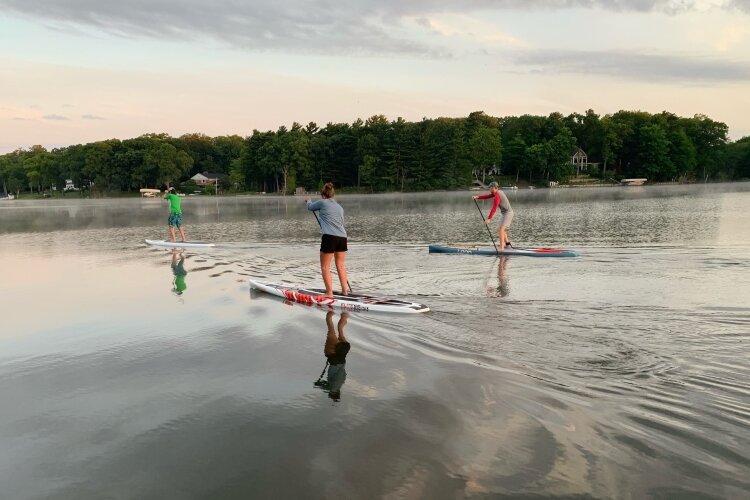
[319,26]
[387,27]
[635,66]
[307,26]
[743,5]
[189,65]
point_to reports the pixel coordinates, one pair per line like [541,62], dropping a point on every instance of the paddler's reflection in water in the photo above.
[178,270]
[335,350]
[503,287]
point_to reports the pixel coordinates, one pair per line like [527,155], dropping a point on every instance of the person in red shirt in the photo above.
[499,199]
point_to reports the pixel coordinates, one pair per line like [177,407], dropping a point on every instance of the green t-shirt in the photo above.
[179,284]
[179,277]
[174,203]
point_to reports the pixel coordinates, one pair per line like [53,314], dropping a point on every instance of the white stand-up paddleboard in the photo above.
[178,244]
[352,302]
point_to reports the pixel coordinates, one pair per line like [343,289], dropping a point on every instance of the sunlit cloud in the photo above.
[91,117]
[470,28]
[55,117]
[732,36]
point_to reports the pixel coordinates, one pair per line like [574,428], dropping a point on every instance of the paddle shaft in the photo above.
[316,218]
[323,372]
[486,226]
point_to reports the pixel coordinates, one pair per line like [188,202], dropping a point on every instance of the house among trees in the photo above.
[207,178]
[580,160]
[492,170]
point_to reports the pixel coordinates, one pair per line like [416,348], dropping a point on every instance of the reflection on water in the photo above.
[335,350]
[619,374]
[178,271]
[502,287]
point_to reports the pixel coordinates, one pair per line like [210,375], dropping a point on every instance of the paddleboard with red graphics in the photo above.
[353,302]
[528,252]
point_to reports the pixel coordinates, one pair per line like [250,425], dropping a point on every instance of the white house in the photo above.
[201,179]
[207,178]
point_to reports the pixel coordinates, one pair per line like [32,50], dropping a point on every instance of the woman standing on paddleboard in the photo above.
[333,242]
[499,199]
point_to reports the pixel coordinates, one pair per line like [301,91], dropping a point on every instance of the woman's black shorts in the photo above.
[332,244]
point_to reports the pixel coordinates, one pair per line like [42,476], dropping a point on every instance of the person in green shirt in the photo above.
[175,214]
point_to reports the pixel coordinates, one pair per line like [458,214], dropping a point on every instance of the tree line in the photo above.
[378,155]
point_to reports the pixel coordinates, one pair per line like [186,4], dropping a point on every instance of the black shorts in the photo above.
[332,244]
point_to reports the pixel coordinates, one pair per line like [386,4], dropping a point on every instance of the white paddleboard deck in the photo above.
[352,302]
[178,244]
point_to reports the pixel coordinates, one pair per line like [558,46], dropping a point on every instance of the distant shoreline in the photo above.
[344,192]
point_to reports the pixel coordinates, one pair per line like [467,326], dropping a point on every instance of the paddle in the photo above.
[486,226]
[316,218]
[318,382]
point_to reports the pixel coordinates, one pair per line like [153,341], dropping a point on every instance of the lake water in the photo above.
[128,372]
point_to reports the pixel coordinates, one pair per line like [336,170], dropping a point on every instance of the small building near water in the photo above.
[149,193]
[634,182]
[206,178]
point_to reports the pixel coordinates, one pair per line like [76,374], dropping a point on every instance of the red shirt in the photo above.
[495,202]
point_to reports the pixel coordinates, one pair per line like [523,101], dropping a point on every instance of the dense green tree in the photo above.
[484,148]
[201,149]
[40,167]
[653,151]
[12,172]
[738,159]
[682,156]
[515,157]
[294,156]
[559,148]
[170,165]
[709,138]
[381,155]
[537,156]
[588,130]
[401,153]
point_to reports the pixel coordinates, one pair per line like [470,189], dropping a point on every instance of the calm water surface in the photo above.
[130,372]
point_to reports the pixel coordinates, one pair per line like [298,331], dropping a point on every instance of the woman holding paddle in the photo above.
[333,242]
[499,199]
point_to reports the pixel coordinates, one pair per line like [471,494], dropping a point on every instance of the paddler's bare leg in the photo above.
[325,270]
[340,258]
